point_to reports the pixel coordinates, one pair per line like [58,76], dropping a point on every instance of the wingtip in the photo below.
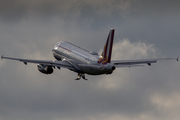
[2,57]
[177,59]
[112,29]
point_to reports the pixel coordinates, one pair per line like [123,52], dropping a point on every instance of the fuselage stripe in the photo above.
[65,48]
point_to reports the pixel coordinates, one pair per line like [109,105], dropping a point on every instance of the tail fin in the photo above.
[106,54]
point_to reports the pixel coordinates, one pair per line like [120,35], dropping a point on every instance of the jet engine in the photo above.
[45,69]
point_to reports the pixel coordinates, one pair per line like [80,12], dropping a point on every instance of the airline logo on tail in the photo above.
[106,54]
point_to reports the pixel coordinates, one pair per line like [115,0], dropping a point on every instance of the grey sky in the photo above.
[144,29]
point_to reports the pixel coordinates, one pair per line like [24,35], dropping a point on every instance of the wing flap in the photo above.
[129,66]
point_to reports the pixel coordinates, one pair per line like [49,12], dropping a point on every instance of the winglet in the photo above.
[177,59]
[2,57]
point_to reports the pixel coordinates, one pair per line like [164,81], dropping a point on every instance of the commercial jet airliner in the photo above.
[83,62]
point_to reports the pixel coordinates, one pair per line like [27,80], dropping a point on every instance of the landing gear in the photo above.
[81,75]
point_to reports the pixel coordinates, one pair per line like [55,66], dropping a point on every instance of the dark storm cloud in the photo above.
[19,8]
[12,10]
[30,29]
[16,10]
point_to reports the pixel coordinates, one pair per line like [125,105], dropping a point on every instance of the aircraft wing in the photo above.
[136,63]
[63,64]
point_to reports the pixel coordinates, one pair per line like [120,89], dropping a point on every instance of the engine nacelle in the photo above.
[45,69]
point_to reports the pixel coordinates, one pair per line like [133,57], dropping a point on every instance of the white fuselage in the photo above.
[84,61]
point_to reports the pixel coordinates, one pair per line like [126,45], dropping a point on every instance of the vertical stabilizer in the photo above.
[106,54]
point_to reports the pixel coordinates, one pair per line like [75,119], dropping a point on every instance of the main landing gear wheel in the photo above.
[81,75]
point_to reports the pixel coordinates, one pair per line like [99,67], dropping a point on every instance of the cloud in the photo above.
[129,50]
[126,50]
[17,10]
[166,102]
[30,29]
[126,94]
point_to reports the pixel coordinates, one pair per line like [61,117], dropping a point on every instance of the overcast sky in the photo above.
[143,29]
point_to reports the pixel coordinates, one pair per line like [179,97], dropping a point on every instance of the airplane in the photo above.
[83,62]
